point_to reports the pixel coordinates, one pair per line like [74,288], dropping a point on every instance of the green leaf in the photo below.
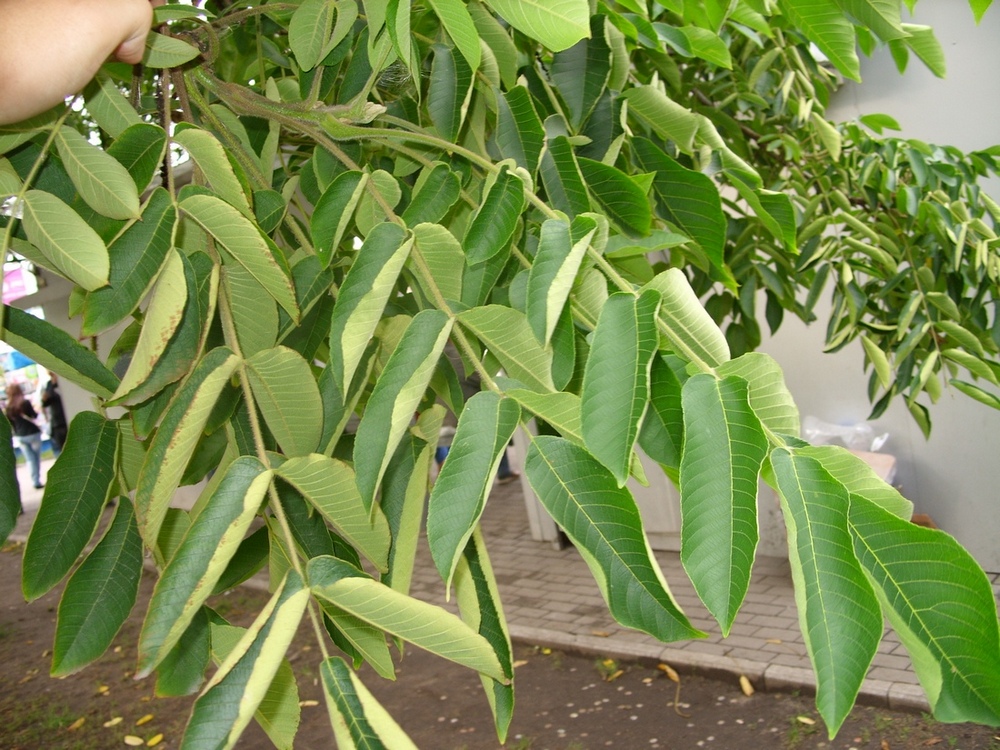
[979,7]
[235,692]
[424,625]
[177,438]
[974,391]
[602,520]
[288,398]
[103,183]
[838,611]
[458,23]
[925,45]
[724,449]
[880,16]
[551,276]
[616,380]
[140,150]
[688,199]
[770,398]
[99,596]
[773,209]
[459,495]
[443,256]
[167,52]
[519,134]
[949,627]
[497,37]
[479,605]
[209,544]
[210,156]
[506,333]
[580,74]
[56,350]
[496,220]
[70,245]
[79,485]
[162,318]
[244,242]
[395,397]
[620,197]
[436,191]
[404,490]
[330,486]
[310,29]
[10,492]
[255,314]
[859,478]
[350,705]
[663,115]
[559,410]
[363,295]
[136,256]
[661,434]
[690,330]
[108,106]
[561,177]
[449,92]
[371,211]
[825,25]
[879,361]
[828,134]
[183,669]
[558,24]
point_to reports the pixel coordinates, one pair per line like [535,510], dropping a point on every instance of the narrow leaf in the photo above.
[233,695]
[691,331]
[329,485]
[56,350]
[79,485]
[724,449]
[363,295]
[619,196]
[603,522]
[103,183]
[551,276]
[616,380]
[561,177]
[99,596]
[494,223]
[210,156]
[288,398]
[309,30]
[838,612]
[460,492]
[506,333]
[443,256]
[825,25]
[519,134]
[449,92]
[70,245]
[949,627]
[211,541]
[395,397]
[108,106]
[177,438]
[355,713]
[424,625]
[334,213]
[437,190]
[458,23]
[10,492]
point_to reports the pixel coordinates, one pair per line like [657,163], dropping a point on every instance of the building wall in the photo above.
[954,476]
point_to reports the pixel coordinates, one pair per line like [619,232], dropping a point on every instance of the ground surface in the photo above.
[564,701]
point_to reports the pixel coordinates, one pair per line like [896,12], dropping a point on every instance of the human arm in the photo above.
[50,49]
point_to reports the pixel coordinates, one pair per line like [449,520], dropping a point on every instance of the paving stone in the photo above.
[893,675]
[908,698]
[780,677]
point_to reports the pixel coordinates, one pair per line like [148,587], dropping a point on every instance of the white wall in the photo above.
[954,476]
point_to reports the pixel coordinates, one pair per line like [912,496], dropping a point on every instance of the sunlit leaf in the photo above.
[70,245]
[557,24]
[288,398]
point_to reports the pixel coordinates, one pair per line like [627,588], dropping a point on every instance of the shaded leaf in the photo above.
[288,398]
[508,336]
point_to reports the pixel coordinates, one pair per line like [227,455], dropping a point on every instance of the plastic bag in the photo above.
[860,436]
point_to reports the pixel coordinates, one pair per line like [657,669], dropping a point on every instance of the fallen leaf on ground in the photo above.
[668,671]
[113,722]
[132,741]
[155,740]
[103,689]
[77,724]
[614,675]
[772,640]
[307,704]
[885,745]
[746,686]
[805,720]
[601,633]
[144,720]
[520,663]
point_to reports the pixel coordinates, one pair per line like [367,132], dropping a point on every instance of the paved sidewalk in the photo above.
[551,599]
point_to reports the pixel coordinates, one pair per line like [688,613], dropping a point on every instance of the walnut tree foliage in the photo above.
[388,197]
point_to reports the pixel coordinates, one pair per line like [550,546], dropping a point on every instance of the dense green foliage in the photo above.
[384,199]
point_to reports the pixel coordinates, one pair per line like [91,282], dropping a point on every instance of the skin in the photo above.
[50,49]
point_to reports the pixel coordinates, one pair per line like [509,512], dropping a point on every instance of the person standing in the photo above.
[53,406]
[22,415]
